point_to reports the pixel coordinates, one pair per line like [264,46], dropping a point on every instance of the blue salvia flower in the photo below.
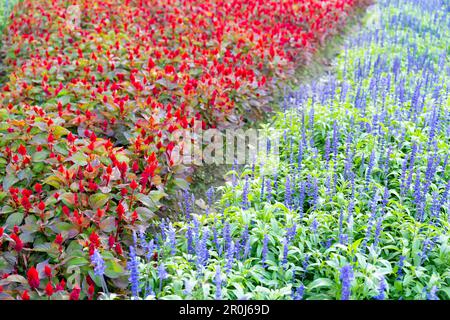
[301,199]
[346,278]
[287,192]
[237,249]
[300,156]
[189,237]
[163,230]
[314,225]
[275,180]
[187,204]
[381,289]
[229,257]
[99,263]
[269,190]
[162,274]
[370,168]
[226,236]
[133,268]
[285,252]
[142,240]
[305,265]
[218,282]
[401,263]
[327,152]
[210,196]
[172,240]
[427,247]
[433,294]
[342,235]
[188,286]
[196,230]
[245,240]
[245,203]
[264,250]
[261,193]
[202,250]
[299,292]
[150,250]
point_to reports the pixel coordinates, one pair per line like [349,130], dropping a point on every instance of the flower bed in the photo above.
[358,207]
[95,91]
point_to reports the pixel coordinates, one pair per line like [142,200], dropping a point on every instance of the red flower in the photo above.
[95,240]
[41,206]
[61,285]
[120,210]
[1,231]
[118,249]
[25,295]
[38,187]
[33,278]
[48,271]
[22,150]
[49,289]
[91,291]
[19,244]
[50,138]
[59,239]
[75,294]
[66,211]
[133,185]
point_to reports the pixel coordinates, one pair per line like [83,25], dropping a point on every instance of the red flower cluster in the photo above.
[95,94]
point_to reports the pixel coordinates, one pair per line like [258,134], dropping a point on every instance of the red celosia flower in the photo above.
[133,185]
[25,295]
[61,285]
[50,138]
[91,291]
[49,289]
[41,206]
[59,239]
[75,294]
[111,241]
[48,271]
[95,240]
[120,211]
[66,211]
[1,231]
[22,150]
[118,249]
[33,278]
[38,187]
[19,244]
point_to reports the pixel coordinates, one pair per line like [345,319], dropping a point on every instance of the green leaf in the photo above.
[59,131]
[319,283]
[98,200]
[39,156]
[113,269]
[14,219]
[108,225]
[79,158]
[9,181]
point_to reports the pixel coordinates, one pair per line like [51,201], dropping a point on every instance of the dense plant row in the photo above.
[95,91]
[358,207]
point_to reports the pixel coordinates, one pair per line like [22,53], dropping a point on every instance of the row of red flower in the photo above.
[95,91]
